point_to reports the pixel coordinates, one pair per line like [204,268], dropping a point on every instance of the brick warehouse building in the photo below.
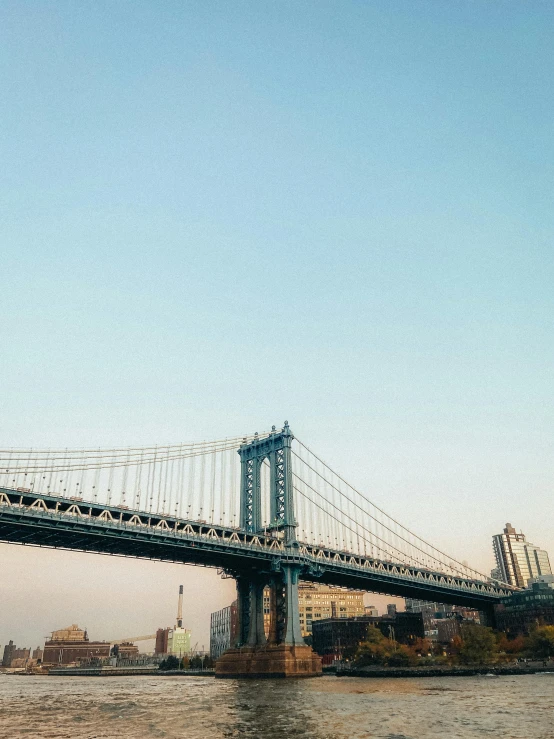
[72,646]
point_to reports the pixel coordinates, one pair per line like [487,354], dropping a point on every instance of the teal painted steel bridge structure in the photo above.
[279,516]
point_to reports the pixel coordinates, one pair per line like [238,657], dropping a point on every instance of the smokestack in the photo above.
[180,609]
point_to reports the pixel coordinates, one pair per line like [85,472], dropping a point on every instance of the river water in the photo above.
[142,707]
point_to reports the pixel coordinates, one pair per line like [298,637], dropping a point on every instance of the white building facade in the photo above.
[519,561]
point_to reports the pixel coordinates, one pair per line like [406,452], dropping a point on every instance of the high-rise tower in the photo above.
[518,560]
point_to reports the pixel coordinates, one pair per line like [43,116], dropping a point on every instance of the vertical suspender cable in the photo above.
[192,483]
[212,485]
[124,479]
[138,476]
[201,486]
[224,495]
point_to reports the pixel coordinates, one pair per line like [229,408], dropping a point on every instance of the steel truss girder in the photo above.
[50,524]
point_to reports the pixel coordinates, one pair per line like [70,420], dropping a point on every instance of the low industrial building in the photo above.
[162,641]
[178,642]
[72,646]
[125,650]
[333,637]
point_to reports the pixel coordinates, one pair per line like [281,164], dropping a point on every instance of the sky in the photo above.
[217,216]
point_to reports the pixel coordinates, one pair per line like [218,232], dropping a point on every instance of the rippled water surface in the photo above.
[321,708]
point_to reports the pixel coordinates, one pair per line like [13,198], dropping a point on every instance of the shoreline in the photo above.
[486,670]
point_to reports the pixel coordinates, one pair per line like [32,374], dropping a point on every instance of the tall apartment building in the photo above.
[323,601]
[9,649]
[517,559]
[223,629]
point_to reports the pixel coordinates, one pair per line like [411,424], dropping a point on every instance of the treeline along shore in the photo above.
[443,671]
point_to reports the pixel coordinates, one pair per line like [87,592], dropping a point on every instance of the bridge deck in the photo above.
[44,520]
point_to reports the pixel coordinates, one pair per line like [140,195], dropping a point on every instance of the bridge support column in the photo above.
[283,653]
[293,632]
[256,632]
[243,610]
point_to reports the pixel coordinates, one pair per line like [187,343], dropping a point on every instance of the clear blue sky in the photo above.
[215,216]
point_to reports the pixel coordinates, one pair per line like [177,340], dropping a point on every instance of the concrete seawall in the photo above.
[439,671]
[125,671]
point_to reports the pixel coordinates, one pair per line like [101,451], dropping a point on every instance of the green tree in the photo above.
[540,643]
[402,656]
[478,645]
[169,663]
[374,650]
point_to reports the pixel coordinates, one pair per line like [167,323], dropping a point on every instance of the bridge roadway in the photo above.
[50,521]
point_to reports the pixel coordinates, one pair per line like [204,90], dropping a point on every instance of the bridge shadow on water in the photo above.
[272,709]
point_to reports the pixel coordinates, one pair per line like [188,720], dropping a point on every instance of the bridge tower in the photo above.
[283,652]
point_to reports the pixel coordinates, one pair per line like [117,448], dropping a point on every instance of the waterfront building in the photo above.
[162,640]
[441,621]
[21,655]
[549,579]
[335,637]
[179,642]
[125,650]
[71,646]
[517,559]
[224,629]
[8,654]
[37,654]
[521,612]
[318,602]
[14,656]
[70,633]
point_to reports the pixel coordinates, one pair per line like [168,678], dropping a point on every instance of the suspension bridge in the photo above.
[264,509]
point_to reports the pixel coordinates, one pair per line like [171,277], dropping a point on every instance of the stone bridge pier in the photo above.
[282,651]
